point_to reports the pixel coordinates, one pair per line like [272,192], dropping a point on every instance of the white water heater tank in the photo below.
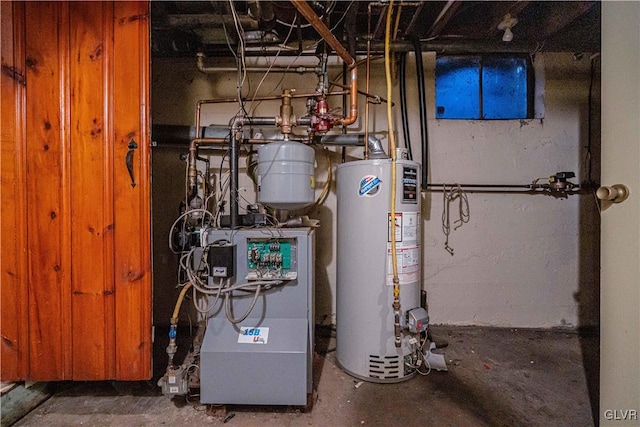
[364,289]
[286,175]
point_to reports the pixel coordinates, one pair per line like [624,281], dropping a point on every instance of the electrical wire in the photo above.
[242,64]
[227,307]
[449,196]
[329,9]
[222,289]
[326,189]
[189,212]
[425,360]
[286,39]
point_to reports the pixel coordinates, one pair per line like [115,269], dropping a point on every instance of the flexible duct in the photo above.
[422,103]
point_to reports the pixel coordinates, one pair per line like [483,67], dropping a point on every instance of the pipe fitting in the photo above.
[286,113]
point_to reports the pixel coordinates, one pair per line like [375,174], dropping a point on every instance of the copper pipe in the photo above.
[315,21]
[377,99]
[353,113]
[305,10]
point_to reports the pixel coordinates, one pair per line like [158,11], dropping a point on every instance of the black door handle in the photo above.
[129,160]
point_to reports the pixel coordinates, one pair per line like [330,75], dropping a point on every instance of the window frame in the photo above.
[482,57]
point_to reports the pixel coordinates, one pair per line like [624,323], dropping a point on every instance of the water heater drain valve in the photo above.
[417,320]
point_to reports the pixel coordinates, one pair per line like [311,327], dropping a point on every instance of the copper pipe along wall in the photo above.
[315,21]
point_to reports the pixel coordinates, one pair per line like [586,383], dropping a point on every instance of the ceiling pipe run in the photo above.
[315,21]
[252,69]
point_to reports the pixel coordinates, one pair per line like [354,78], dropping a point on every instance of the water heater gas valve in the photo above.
[417,320]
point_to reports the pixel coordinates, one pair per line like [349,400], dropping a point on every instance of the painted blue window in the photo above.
[483,87]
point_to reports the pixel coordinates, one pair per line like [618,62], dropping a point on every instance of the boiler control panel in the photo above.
[273,258]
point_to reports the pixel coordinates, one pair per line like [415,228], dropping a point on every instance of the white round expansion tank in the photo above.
[364,291]
[286,175]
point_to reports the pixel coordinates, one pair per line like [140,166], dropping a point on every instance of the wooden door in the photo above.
[620,259]
[13,268]
[82,287]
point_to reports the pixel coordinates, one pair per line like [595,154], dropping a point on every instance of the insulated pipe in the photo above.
[422,103]
[177,134]
[402,78]
[262,11]
[254,69]
[315,21]
[234,178]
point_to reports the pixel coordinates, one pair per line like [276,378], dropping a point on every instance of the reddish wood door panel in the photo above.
[91,167]
[132,203]
[13,267]
[76,304]
[48,219]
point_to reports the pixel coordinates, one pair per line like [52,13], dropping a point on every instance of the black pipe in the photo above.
[234,179]
[178,134]
[459,47]
[422,103]
[436,186]
[510,188]
[343,152]
[402,77]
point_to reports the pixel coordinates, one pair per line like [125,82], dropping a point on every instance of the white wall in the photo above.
[522,260]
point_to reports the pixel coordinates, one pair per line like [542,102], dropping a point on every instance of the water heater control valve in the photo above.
[417,320]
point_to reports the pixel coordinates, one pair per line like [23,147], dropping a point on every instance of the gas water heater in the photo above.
[364,295]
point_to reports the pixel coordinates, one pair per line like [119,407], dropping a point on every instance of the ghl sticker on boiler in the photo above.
[369,186]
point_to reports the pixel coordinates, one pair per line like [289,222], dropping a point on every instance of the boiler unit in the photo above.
[258,346]
[365,317]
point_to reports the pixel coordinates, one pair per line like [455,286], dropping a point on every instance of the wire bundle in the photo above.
[450,195]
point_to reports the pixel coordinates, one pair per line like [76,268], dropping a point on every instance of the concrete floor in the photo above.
[496,377]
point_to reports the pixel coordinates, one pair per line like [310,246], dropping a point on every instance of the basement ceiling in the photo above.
[183,28]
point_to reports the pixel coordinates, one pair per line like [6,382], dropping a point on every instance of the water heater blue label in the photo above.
[369,186]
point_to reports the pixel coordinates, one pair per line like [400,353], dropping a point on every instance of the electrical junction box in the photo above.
[222,260]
